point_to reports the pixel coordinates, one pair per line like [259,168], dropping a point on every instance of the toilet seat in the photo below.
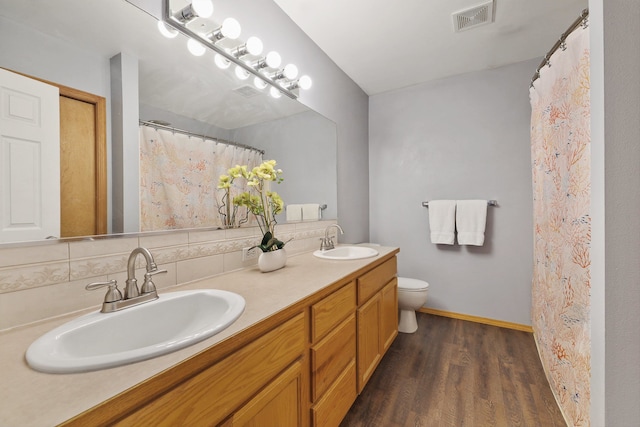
[412,285]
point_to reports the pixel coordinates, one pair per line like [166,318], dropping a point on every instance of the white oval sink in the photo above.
[104,340]
[347,253]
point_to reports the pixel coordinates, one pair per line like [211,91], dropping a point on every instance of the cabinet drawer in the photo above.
[213,394]
[329,312]
[335,404]
[373,281]
[331,355]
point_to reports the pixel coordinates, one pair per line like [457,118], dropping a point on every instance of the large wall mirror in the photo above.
[71,42]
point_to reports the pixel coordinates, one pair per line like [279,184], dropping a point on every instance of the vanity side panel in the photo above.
[388,315]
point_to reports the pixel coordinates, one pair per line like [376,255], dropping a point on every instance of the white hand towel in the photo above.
[311,212]
[294,212]
[471,220]
[442,217]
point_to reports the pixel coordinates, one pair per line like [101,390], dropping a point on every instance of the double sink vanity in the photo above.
[296,353]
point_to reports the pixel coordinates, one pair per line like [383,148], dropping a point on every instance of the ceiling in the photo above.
[386,45]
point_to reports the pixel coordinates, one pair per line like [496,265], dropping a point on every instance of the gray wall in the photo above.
[463,137]
[305,148]
[615,141]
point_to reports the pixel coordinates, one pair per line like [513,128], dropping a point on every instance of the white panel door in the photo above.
[29,159]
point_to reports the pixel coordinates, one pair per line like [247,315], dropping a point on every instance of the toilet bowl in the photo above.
[412,294]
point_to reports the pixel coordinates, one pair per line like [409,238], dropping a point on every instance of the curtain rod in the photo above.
[186,132]
[583,20]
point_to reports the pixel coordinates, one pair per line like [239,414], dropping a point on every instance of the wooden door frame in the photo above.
[100,108]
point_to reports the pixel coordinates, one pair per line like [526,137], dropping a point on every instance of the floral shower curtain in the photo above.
[179,178]
[560,141]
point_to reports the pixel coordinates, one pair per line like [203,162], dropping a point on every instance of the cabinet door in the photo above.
[389,315]
[212,395]
[368,339]
[278,404]
[330,356]
[334,405]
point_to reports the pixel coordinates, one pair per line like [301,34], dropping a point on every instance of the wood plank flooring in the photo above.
[457,373]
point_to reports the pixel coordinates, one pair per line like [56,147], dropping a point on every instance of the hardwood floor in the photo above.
[457,373]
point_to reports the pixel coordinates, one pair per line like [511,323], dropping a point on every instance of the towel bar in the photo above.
[489,203]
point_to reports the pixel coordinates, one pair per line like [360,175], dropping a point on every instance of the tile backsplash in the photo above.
[46,280]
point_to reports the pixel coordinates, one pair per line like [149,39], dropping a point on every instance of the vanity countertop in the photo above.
[31,398]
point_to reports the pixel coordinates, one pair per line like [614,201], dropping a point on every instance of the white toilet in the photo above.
[412,294]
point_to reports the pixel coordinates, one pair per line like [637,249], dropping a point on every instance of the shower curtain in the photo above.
[560,141]
[179,178]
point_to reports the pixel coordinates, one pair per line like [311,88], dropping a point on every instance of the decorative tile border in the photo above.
[42,268]
[32,276]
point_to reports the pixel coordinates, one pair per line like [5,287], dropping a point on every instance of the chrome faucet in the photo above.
[326,242]
[114,300]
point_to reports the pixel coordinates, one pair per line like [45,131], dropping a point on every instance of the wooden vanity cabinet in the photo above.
[267,369]
[377,317]
[302,367]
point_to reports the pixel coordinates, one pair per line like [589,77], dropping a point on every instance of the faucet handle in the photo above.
[112,295]
[148,286]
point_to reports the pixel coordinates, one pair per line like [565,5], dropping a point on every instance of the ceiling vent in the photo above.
[473,17]
[247,91]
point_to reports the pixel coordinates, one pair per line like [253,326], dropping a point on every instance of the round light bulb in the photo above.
[231,28]
[290,71]
[254,45]
[202,8]
[241,73]
[166,31]
[305,82]
[273,59]
[259,83]
[274,92]
[221,61]
[196,48]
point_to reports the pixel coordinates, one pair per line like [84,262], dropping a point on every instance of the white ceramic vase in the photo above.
[272,260]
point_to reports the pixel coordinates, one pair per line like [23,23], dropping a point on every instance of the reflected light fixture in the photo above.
[241,73]
[195,47]
[290,72]
[230,29]
[197,9]
[166,31]
[272,60]
[303,82]
[259,83]
[253,46]
[222,62]
[274,92]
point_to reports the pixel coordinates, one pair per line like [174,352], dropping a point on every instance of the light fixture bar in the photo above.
[175,23]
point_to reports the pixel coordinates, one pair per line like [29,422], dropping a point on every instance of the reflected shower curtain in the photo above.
[560,141]
[179,178]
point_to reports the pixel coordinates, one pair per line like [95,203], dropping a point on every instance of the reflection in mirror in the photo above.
[76,50]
